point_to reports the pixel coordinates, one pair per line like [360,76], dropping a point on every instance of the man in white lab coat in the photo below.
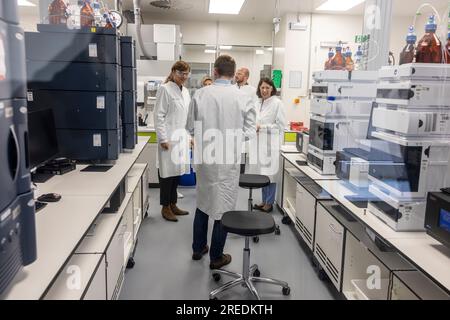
[241,78]
[216,113]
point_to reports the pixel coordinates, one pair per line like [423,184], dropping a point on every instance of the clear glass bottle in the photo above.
[57,12]
[87,18]
[330,57]
[429,48]
[97,14]
[409,52]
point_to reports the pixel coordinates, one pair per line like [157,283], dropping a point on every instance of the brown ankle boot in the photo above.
[177,211]
[168,214]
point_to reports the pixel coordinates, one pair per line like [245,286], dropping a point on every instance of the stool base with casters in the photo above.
[248,225]
[250,182]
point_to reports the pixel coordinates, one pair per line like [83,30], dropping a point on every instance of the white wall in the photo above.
[226,33]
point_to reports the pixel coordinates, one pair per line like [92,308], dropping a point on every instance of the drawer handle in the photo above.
[332,227]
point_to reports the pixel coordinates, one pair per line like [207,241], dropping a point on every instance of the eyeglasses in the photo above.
[183,74]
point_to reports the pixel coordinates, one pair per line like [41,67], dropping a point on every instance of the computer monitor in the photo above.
[42,139]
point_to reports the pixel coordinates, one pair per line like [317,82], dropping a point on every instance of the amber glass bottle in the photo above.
[429,48]
[57,12]
[87,18]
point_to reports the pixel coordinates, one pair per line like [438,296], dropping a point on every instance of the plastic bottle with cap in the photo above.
[409,52]
[358,59]
[57,12]
[97,14]
[338,61]
[330,57]
[349,64]
[429,48]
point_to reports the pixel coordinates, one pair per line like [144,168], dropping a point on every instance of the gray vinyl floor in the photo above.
[164,269]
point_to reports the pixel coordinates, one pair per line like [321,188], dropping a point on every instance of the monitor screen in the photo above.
[444,220]
[42,140]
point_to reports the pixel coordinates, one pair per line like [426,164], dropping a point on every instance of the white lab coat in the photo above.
[170,115]
[272,121]
[219,107]
[251,92]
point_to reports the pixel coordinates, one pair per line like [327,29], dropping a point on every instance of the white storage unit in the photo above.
[83,277]
[365,277]
[115,265]
[97,288]
[308,196]
[289,194]
[329,245]
[305,215]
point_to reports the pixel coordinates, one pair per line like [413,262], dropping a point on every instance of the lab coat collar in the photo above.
[177,88]
[222,82]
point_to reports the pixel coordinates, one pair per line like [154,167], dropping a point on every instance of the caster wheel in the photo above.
[286,291]
[256,239]
[213,299]
[257,273]
[286,220]
[130,263]
[216,277]
[278,231]
[322,275]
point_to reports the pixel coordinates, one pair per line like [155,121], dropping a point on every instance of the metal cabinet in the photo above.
[329,245]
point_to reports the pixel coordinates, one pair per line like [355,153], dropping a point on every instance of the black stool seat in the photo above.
[253,181]
[247,224]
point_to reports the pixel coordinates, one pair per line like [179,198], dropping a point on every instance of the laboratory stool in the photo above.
[254,181]
[247,224]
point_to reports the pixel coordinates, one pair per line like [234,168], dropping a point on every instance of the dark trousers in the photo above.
[218,239]
[168,190]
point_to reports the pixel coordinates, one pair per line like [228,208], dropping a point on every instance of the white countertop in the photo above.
[307,170]
[289,148]
[427,254]
[146,129]
[60,226]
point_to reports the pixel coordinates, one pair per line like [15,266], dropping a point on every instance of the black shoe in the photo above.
[222,262]
[258,207]
[199,256]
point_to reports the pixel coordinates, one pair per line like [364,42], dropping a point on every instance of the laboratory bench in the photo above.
[353,248]
[83,251]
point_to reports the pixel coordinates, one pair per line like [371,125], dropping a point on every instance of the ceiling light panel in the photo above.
[225,6]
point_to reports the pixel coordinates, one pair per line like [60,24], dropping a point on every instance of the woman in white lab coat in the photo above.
[172,105]
[271,122]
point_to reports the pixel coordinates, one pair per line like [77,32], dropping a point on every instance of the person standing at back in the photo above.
[172,105]
[221,109]
[242,76]
[270,125]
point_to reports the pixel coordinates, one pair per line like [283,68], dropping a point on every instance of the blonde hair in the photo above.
[206,78]
[178,66]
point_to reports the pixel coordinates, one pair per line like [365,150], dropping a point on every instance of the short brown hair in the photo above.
[270,83]
[225,66]
[178,66]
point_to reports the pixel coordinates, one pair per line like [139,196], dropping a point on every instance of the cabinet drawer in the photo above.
[329,245]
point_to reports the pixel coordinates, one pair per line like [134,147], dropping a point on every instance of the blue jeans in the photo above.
[268,194]
[218,239]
